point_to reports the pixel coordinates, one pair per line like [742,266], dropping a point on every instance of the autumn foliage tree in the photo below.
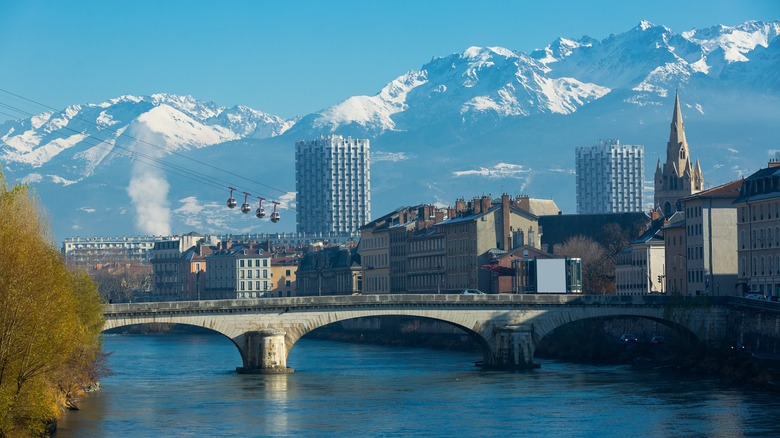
[50,320]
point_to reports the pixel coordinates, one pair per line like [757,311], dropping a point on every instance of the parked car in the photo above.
[626,337]
[754,296]
[658,340]
[472,292]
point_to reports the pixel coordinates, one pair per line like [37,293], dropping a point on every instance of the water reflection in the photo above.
[177,385]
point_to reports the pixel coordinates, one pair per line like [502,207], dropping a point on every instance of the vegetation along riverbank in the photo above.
[50,322]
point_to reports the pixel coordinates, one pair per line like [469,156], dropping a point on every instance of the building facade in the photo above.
[711,240]
[639,269]
[238,271]
[89,251]
[333,184]
[678,178]
[283,270]
[479,228]
[610,177]
[675,254]
[332,270]
[758,227]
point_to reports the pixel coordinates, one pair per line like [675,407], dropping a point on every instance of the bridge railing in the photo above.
[410,300]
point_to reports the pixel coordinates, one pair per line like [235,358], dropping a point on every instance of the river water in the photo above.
[186,385]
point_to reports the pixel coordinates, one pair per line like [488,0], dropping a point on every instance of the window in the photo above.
[241,263]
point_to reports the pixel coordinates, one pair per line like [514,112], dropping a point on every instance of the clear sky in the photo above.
[292,58]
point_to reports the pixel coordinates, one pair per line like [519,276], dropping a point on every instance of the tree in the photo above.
[598,272]
[50,318]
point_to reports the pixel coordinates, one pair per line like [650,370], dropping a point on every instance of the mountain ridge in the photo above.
[475,118]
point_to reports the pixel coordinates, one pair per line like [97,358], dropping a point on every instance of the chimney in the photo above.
[774,162]
[506,238]
[486,202]
[460,206]
[475,206]
[524,202]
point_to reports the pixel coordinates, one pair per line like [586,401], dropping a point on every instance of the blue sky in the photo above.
[292,57]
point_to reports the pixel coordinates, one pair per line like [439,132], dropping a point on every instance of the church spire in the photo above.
[678,177]
[677,134]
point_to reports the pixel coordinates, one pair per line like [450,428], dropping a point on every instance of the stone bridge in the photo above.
[507,327]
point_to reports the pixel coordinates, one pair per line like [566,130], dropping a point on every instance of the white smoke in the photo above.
[148,188]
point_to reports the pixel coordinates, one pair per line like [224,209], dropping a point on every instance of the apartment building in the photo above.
[333,184]
[711,240]
[610,177]
[758,228]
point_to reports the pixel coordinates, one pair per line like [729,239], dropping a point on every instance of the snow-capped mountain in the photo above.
[83,136]
[486,120]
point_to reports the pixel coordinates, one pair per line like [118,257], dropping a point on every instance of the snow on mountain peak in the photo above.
[735,41]
[373,110]
[644,25]
[181,131]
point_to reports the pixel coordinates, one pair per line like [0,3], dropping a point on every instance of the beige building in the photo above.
[640,267]
[384,247]
[678,177]
[675,249]
[283,281]
[711,240]
[480,227]
[758,227]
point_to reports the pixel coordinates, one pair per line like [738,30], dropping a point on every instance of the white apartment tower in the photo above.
[610,177]
[332,178]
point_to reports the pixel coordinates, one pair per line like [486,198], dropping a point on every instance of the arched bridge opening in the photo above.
[620,338]
[404,331]
[178,329]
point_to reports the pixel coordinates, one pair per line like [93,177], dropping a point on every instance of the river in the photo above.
[186,385]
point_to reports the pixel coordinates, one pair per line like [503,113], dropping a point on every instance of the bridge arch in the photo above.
[292,336]
[545,330]
[117,324]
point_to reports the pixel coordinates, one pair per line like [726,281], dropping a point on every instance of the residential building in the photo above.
[283,270]
[425,260]
[758,225]
[166,282]
[678,178]
[333,270]
[610,177]
[89,251]
[333,184]
[238,271]
[295,239]
[481,226]
[676,254]
[711,240]
[171,271]
[639,268]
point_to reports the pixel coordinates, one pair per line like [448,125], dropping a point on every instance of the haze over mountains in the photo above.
[485,121]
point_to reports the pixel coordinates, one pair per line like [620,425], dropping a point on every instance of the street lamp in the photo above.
[197,283]
[319,281]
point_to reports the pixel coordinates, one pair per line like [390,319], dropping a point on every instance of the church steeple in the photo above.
[677,148]
[678,177]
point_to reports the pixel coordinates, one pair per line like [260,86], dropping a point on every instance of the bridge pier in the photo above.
[514,347]
[264,352]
